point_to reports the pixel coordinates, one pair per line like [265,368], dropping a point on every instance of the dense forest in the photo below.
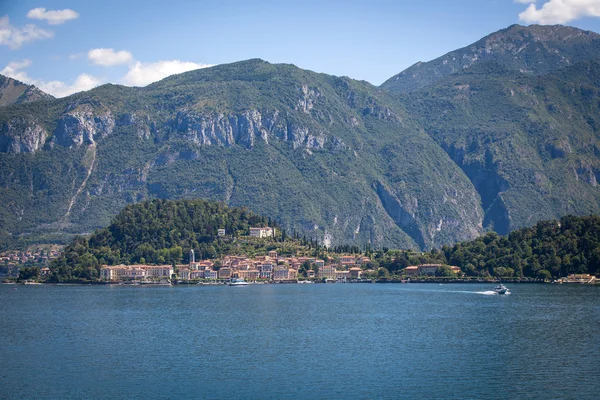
[549,249]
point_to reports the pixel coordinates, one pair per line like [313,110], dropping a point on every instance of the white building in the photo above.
[261,232]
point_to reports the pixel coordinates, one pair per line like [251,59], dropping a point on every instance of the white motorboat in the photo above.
[237,282]
[501,289]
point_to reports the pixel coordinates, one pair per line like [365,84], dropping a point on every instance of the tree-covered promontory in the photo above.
[549,249]
[156,232]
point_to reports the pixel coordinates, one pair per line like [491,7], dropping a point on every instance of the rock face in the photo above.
[16,92]
[243,129]
[82,125]
[22,136]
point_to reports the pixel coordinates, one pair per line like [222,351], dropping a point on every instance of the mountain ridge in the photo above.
[534,49]
[342,161]
[13,91]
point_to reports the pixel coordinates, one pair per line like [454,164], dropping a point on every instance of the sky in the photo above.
[65,46]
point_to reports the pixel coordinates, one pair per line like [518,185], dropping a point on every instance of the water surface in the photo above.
[365,341]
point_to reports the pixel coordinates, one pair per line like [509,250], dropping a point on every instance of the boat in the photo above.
[237,282]
[501,289]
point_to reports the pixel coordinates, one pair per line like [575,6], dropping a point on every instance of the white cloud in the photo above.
[61,89]
[53,17]
[109,57]
[14,37]
[55,88]
[560,11]
[142,74]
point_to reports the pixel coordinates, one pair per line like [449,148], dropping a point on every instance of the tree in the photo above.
[444,270]
[28,273]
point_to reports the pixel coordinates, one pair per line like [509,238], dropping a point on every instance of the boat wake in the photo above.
[487,293]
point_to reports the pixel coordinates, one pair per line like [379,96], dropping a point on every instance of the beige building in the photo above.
[327,272]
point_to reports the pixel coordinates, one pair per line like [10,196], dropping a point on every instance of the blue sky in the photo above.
[64,46]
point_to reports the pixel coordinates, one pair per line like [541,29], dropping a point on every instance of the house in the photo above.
[249,274]
[341,275]
[280,273]
[184,273]
[210,274]
[364,260]
[347,260]
[266,271]
[261,232]
[428,269]
[355,272]
[327,272]
[225,273]
[412,270]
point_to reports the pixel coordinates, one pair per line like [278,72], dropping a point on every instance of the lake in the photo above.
[364,341]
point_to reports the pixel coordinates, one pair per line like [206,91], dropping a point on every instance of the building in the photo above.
[579,278]
[248,274]
[427,269]
[221,232]
[135,272]
[210,274]
[327,272]
[266,271]
[184,273]
[347,260]
[261,232]
[225,273]
[355,273]
[341,275]
[280,273]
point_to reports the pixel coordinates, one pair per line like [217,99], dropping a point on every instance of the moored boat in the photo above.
[238,282]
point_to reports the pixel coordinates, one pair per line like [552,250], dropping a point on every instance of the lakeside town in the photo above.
[268,268]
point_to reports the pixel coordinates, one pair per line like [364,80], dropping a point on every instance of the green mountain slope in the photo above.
[529,144]
[531,50]
[337,159]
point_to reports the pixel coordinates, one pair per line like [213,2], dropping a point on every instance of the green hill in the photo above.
[156,232]
[554,248]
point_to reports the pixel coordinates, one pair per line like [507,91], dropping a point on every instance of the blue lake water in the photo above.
[367,341]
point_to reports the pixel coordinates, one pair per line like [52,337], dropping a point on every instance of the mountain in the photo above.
[16,92]
[528,141]
[531,50]
[333,158]
[500,142]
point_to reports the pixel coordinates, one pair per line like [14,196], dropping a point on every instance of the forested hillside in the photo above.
[157,232]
